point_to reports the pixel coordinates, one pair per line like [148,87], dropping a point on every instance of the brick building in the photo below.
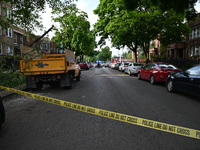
[6,34]
[11,38]
[190,48]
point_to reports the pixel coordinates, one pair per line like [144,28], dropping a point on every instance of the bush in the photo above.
[11,79]
[9,62]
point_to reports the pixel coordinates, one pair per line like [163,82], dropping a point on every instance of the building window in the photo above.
[15,38]
[9,50]
[21,40]
[8,13]
[191,51]
[1,51]
[46,46]
[196,52]
[9,32]
[41,46]
[198,32]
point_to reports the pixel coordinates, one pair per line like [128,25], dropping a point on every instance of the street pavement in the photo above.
[32,124]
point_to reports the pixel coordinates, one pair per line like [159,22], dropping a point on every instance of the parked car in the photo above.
[123,65]
[186,81]
[156,72]
[84,65]
[133,68]
[117,66]
[112,65]
[2,113]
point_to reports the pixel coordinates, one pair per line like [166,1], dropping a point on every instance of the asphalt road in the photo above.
[35,125]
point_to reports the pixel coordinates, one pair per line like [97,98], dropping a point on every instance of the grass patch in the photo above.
[12,79]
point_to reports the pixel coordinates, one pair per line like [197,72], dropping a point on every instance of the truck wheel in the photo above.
[39,86]
[78,77]
[70,81]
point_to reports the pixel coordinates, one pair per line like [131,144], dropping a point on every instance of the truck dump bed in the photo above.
[48,64]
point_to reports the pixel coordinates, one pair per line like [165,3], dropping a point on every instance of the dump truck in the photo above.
[52,69]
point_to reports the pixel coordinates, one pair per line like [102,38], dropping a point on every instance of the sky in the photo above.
[87,6]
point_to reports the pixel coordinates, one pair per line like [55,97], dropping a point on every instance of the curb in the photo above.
[6,93]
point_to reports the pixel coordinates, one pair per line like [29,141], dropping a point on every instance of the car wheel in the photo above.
[170,86]
[139,76]
[152,80]
[129,72]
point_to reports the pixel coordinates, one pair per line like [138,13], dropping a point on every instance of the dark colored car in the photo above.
[156,72]
[84,65]
[186,81]
[2,113]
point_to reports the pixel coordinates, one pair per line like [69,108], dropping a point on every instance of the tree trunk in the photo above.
[134,49]
[146,50]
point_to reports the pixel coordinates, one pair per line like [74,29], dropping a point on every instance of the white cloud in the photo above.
[197,7]
[82,5]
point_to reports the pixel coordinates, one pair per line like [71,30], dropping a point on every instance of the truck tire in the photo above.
[70,81]
[78,77]
[39,86]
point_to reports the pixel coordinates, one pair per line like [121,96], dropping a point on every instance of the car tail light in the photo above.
[134,68]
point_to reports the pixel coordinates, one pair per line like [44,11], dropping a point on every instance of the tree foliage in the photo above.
[179,6]
[25,13]
[105,54]
[134,28]
[74,31]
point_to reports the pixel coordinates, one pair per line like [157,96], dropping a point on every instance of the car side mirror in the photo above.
[185,73]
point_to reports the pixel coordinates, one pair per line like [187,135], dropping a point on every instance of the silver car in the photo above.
[133,68]
[123,66]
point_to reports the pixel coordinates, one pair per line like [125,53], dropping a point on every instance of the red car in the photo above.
[156,72]
[84,65]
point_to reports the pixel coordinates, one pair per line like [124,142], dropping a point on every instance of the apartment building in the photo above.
[6,34]
[190,48]
[193,42]
[11,38]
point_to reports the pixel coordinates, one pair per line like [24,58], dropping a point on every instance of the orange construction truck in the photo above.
[51,69]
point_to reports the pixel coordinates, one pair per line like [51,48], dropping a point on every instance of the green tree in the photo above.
[136,28]
[105,54]
[74,32]
[26,13]
[179,6]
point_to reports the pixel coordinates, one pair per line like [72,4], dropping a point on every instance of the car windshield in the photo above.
[194,71]
[169,66]
[138,64]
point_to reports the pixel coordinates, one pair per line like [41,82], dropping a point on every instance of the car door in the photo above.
[149,71]
[130,66]
[188,81]
[144,71]
[194,82]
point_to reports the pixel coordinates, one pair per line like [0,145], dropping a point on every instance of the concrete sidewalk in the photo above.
[6,93]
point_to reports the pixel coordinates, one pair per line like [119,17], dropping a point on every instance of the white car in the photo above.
[133,68]
[123,66]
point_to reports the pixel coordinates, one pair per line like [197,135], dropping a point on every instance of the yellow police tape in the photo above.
[192,133]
